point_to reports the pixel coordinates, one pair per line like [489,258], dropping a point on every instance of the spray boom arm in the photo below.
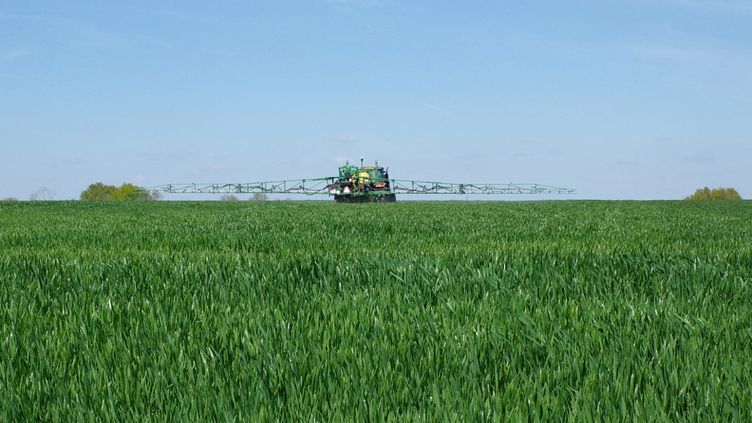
[323,186]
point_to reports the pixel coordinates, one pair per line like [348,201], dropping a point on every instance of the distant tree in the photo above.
[130,192]
[259,196]
[229,197]
[706,193]
[9,200]
[125,192]
[42,194]
[155,195]
[98,192]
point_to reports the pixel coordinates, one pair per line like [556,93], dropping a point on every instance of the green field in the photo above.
[421,311]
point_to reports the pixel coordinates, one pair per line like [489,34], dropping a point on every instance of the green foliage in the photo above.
[126,192]
[130,192]
[715,194]
[98,192]
[303,311]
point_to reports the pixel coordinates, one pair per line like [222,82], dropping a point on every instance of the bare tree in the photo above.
[229,197]
[259,196]
[42,194]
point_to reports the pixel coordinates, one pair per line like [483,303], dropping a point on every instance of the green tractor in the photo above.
[364,184]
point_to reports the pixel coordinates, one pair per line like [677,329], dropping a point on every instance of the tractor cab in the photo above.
[347,171]
[376,175]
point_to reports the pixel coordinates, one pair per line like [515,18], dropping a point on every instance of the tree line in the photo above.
[130,192]
[704,194]
[126,192]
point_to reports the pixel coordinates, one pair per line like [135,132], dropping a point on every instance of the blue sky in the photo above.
[629,99]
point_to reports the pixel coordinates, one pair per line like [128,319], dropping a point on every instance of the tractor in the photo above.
[362,184]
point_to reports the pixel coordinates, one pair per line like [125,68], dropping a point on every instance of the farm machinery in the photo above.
[362,184]
[359,184]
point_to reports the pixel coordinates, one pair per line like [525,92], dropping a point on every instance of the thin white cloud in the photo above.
[436,109]
[355,3]
[700,157]
[725,64]
[717,5]
[342,140]
[222,52]
[12,54]
[78,31]
[185,17]
[672,53]
[152,42]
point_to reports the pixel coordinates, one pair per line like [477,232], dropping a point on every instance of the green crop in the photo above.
[409,311]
